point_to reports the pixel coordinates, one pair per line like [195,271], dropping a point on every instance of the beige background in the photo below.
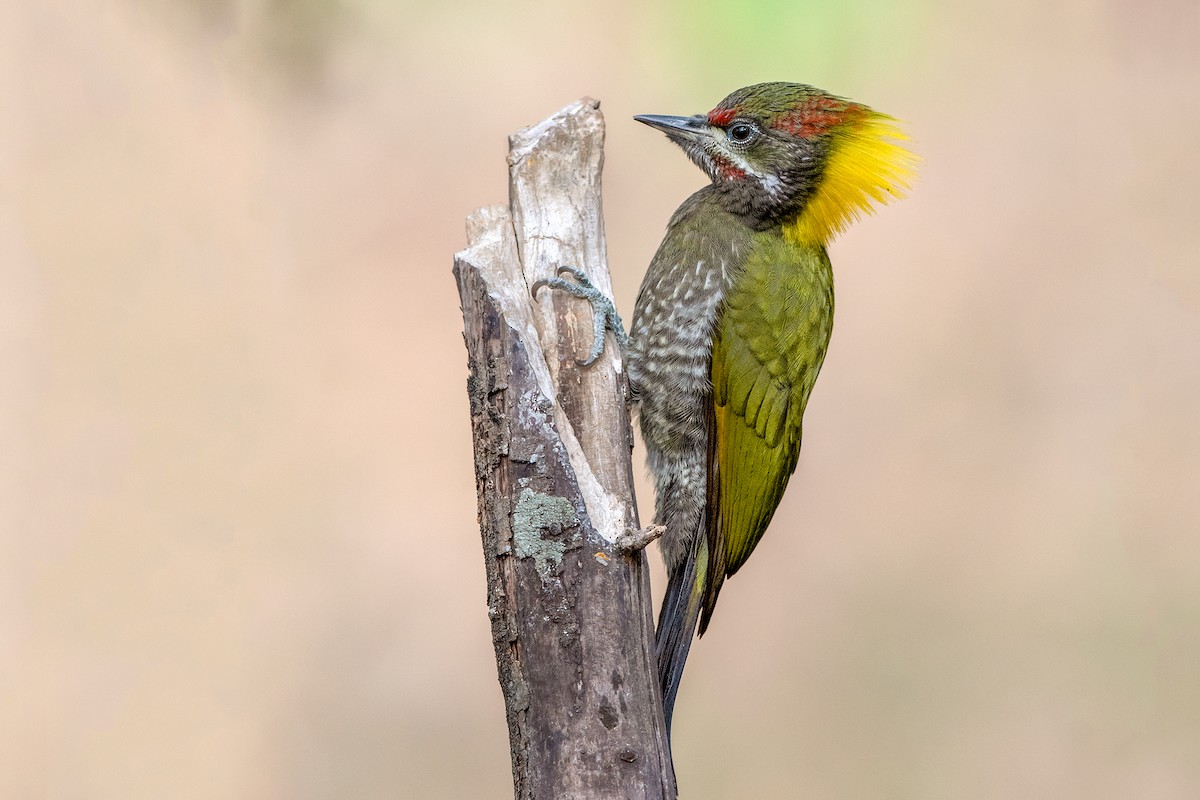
[238,554]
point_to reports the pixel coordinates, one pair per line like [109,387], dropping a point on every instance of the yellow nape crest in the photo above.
[865,165]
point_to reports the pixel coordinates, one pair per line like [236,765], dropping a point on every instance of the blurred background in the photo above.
[238,544]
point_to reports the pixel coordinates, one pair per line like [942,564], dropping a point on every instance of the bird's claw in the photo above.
[604,312]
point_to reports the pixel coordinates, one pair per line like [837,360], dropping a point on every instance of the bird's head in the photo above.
[788,154]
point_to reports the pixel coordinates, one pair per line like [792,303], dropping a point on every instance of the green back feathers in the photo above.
[768,348]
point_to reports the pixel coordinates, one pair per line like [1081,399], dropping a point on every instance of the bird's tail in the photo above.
[677,621]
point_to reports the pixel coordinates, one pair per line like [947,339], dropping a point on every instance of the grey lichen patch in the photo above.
[542,530]
[518,694]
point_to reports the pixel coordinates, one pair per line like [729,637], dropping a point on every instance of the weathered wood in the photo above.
[570,610]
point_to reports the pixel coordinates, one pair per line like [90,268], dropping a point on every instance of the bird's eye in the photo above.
[740,133]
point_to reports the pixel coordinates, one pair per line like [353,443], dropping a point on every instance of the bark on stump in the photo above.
[571,614]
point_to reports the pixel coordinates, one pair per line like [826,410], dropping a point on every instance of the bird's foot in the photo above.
[604,311]
[636,541]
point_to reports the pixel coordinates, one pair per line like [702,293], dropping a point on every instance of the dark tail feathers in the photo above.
[677,622]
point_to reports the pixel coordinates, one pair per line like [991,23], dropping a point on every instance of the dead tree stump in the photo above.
[571,614]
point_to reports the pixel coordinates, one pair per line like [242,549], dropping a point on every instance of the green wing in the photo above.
[768,347]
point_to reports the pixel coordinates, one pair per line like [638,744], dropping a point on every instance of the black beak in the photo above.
[681,127]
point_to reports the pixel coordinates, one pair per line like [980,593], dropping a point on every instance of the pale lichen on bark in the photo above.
[544,528]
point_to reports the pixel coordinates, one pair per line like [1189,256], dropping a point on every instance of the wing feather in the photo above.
[765,356]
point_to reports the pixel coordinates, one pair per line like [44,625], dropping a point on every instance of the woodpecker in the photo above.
[732,323]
